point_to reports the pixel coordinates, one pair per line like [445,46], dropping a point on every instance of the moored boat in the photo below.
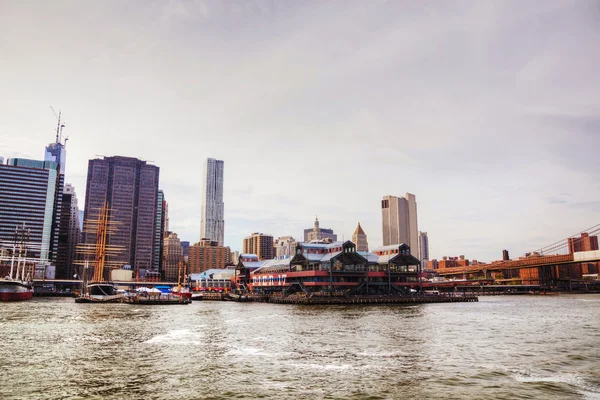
[16,285]
[15,290]
[145,296]
[100,293]
[99,289]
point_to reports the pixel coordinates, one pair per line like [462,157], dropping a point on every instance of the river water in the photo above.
[504,347]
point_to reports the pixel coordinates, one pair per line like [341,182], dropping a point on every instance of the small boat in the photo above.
[197,296]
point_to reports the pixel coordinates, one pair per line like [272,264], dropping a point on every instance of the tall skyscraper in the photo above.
[159,231]
[399,221]
[31,195]
[212,224]
[259,244]
[423,249]
[359,238]
[130,188]
[318,233]
[69,234]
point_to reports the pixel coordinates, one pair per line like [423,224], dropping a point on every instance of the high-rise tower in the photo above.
[399,221]
[31,198]
[212,224]
[130,188]
[423,248]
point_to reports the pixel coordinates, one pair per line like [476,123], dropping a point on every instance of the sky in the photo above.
[487,111]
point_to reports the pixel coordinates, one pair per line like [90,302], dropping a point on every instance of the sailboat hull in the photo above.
[15,291]
[100,293]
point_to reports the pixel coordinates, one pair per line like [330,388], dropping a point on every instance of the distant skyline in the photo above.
[489,112]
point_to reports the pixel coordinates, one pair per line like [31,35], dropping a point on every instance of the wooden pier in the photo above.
[340,300]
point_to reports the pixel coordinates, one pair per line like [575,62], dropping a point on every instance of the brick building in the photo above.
[259,244]
[583,243]
[207,254]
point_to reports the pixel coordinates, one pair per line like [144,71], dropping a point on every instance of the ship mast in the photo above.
[100,250]
[100,256]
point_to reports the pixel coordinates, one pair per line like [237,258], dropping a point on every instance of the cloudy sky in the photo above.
[488,111]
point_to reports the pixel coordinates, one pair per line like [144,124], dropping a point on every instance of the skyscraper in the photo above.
[130,188]
[159,231]
[31,195]
[173,253]
[399,221]
[212,224]
[359,238]
[423,249]
[68,234]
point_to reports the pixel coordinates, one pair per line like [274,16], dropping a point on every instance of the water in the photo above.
[504,347]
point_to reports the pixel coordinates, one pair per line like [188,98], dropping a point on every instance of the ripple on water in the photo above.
[177,337]
[500,348]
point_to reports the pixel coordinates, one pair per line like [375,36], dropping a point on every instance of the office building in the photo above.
[318,233]
[185,245]
[284,247]
[399,221]
[69,234]
[173,258]
[359,238]
[259,244]
[130,189]
[31,197]
[235,255]
[159,231]
[81,215]
[207,254]
[212,224]
[423,249]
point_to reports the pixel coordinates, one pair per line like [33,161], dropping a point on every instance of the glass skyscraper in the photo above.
[212,224]
[31,197]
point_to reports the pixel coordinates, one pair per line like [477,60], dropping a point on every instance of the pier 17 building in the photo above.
[337,268]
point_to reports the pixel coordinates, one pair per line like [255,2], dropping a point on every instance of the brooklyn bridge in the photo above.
[571,261]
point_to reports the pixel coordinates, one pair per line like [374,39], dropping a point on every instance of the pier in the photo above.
[339,300]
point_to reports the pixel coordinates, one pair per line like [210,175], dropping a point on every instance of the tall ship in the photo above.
[16,285]
[94,265]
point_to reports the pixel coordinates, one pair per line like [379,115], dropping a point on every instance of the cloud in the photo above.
[487,111]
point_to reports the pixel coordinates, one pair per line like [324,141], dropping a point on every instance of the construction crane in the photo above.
[59,126]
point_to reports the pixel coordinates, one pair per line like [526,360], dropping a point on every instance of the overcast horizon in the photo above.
[489,112]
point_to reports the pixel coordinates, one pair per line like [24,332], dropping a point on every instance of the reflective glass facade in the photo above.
[29,195]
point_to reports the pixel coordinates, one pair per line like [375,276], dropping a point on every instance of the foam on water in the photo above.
[177,336]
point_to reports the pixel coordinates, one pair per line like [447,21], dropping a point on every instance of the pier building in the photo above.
[332,267]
